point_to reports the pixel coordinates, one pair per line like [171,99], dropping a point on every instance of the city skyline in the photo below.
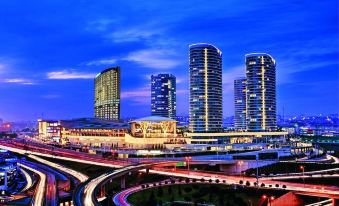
[50,74]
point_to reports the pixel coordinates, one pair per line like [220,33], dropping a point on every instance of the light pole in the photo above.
[240,164]
[303,170]
[188,159]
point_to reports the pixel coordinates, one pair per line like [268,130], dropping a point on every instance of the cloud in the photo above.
[138,97]
[132,35]
[65,74]
[154,58]
[230,75]
[19,81]
[51,96]
[101,24]
[109,61]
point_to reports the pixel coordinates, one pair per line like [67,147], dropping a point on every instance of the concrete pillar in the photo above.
[147,171]
[102,192]
[123,182]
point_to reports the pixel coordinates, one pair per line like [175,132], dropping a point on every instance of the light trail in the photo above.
[80,176]
[28,180]
[40,188]
[92,162]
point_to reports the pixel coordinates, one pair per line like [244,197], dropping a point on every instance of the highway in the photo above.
[78,175]
[85,194]
[50,193]
[38,199]
[29,180]
[59,153]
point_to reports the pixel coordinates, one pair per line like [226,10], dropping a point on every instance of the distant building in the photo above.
[49,130]
[205,66]
[261,92]
[107,94]
[94,132]
[240,104]
[163,95]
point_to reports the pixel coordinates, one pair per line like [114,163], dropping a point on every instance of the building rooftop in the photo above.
[93,123]
[154,119]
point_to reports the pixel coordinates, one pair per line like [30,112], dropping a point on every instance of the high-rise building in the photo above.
[260,92]
[163,94]
[240,104]
[205,65]
[107,94]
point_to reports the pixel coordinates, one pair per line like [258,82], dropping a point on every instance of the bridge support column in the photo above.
[102,191]
[123,182]
[147,171]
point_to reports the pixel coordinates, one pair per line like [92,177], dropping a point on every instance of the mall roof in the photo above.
[93,123]
[154,119]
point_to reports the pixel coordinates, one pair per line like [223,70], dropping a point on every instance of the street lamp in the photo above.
[270,199]
[240,163]
[303,169]
[188,159]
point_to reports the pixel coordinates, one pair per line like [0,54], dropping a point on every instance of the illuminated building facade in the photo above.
[205,67]
[163,95]
[107,94]
[240,104]
[94,132]
[261,92]
[49,130]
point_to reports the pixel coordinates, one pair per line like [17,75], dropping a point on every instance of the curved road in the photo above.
[40,189]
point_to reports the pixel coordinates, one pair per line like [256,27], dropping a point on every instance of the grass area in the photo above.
[218,195]
[290,167]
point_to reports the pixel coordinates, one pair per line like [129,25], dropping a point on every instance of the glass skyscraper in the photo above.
[163,94]
[205,65]
[107,94]
[240,104]
[260,92]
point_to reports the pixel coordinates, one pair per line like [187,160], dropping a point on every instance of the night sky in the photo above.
[51,50]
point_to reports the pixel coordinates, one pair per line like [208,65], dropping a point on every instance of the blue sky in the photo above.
[51,50]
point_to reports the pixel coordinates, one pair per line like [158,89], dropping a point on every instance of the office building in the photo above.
[260,92]
[163,94]
[107,94]
[240,104]
[205,66]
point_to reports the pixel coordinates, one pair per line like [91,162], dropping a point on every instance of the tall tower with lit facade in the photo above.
[205,67]
[107,94]
[240,104]
[260,92]
[163,95]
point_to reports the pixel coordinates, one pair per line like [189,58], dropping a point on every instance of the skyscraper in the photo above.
[261,92]
[205,88]
[163,94]
[107,94]
[240,104]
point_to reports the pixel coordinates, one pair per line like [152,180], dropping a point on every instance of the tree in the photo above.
[179,190]
[169,190]
[151,200]
[160,192]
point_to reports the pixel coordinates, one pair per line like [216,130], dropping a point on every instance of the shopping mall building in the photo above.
[148,132]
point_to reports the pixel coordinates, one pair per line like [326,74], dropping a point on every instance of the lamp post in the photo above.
[188,159]
[303,170]
[240,164]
